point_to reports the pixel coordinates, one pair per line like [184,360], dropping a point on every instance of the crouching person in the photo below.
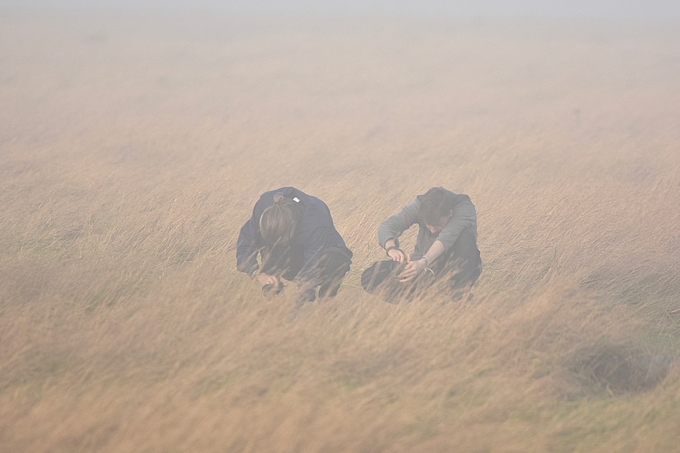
[294,236]
[445,252]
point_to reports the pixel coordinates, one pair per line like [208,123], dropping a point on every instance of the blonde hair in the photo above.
[277,222]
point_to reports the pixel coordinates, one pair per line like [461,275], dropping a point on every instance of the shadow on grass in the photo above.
[616,369]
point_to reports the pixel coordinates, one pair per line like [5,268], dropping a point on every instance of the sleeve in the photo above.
[464,215]
[248,246]
[394,226]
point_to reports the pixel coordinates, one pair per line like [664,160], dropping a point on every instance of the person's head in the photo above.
[277,223]
[436,209]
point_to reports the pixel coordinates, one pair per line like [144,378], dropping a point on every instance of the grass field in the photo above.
[132,149]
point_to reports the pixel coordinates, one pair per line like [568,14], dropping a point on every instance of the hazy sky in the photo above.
[584,9]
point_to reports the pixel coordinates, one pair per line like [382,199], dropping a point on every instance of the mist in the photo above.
[625,10]
[136,137]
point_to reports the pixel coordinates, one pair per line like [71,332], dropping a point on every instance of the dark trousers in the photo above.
[287,263]
[457,270]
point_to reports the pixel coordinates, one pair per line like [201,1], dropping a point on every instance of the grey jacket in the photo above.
[464,216]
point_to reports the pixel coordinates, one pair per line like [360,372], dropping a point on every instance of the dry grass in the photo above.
[133,148]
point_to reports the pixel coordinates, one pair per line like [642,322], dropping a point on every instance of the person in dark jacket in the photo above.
[294,236]
[446,247]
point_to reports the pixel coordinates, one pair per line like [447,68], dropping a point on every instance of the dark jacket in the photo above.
[314,234]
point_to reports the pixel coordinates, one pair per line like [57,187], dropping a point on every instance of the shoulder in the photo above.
[269,195]
[306,199]
[457,198]
[267,198]
[315,213]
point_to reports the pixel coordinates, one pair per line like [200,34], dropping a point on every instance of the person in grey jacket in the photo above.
[446,247]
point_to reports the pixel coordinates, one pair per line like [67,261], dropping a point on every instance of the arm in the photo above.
[390,230]
[249,240]
[247,248]
[394,252]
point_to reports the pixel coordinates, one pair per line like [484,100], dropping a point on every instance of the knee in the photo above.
[465,246]
[335,265]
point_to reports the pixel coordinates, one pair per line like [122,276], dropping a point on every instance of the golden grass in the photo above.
[133,149]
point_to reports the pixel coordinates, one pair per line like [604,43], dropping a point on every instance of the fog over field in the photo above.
[507,9]
[136,137]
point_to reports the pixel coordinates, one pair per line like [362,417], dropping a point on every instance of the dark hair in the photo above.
[277,223]
[434,205]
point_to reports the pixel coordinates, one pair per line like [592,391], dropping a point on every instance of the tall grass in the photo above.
[133,149]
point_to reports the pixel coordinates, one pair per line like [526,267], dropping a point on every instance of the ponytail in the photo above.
[277,223]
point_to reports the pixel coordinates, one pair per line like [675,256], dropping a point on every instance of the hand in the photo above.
[266,279]
[398,255]
[412,269]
